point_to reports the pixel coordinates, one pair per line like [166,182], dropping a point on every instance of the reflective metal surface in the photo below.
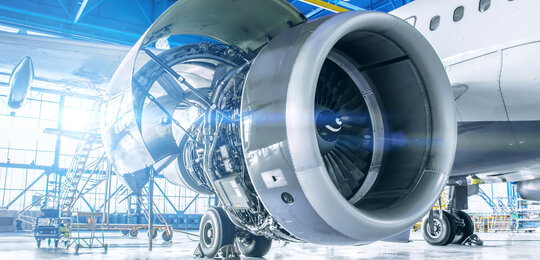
[498,63]
[19,82]
[279,135]
[85,73]
[136,139]
[529,190]
[241,118]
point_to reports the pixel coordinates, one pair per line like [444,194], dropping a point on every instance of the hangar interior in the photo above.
[53,142]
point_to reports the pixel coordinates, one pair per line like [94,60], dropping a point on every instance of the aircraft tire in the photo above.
[254,246]
[133,233]
[216,231]
[445,229]
[463,232]
[167,235]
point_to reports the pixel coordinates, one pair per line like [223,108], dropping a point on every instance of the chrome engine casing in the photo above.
[339,130]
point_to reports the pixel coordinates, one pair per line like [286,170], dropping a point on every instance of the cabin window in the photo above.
[484,5]
[458,13]
[434,24]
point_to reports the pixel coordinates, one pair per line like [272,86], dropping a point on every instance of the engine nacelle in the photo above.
[382,83]
[529,189]
[339,130]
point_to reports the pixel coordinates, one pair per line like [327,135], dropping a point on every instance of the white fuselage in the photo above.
[495,53]
[492,58]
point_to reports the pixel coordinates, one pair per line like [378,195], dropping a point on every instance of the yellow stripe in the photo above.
[326,5]
[476,180]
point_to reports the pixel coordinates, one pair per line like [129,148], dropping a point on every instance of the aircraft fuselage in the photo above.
[490,53]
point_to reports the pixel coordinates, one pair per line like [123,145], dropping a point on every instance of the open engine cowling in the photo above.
[339,130]
[389,86]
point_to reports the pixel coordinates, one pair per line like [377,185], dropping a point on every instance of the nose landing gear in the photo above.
[442,227]
[219,239]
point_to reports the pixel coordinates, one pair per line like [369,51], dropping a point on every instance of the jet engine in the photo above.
[529,189]
[339,130]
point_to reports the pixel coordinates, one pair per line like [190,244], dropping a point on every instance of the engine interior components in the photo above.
[302,129]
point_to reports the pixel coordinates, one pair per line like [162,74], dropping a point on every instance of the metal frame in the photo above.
[59,174]
[83,19]
[90,19]
[26,189]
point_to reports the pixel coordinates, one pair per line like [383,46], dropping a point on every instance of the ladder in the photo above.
[503,207]
[489,201]
[69,190]
[142,202]
[89,183]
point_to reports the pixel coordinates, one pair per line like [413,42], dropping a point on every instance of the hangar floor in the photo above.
[496,246]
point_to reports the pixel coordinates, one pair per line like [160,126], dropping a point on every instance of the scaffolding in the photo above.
[488,222]
[527,215]
[39,185]
[522,216]
[88,239]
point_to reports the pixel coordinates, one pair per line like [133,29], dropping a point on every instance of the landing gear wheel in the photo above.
[133,233]
[38,243]
[106,248]
[49,242]
[125,232]
[77,246]
[465,231]
[254,246]
[167,235]
[56,243]
[216,231]
[444,229]
[154,234]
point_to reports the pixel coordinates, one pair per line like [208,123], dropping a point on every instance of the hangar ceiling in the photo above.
[124,21]
[107,28]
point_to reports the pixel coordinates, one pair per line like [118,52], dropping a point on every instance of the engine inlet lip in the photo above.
[281,87]
[310,170]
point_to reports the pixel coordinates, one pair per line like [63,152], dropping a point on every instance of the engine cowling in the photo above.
[396,96]
[341,130]
[529,190]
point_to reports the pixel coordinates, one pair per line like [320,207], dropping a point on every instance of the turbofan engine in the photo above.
[339,130]
[529,189]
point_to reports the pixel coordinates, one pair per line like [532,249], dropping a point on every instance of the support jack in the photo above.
[473,240]
[225,252]
[228,252]
[198,252]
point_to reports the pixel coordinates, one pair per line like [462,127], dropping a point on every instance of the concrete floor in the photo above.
[496,246]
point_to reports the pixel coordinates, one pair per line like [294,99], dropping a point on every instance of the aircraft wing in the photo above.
[62,65]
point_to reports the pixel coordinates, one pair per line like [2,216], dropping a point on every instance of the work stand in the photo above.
[94,239]
[225,252]
[473,240]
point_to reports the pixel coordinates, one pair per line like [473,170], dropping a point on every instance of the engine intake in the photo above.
[350,117]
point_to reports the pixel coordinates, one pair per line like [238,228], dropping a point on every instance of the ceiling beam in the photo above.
[80,11]
[325,5]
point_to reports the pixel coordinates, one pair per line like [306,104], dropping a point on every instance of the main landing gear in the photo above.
[441,227]
[218,238]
